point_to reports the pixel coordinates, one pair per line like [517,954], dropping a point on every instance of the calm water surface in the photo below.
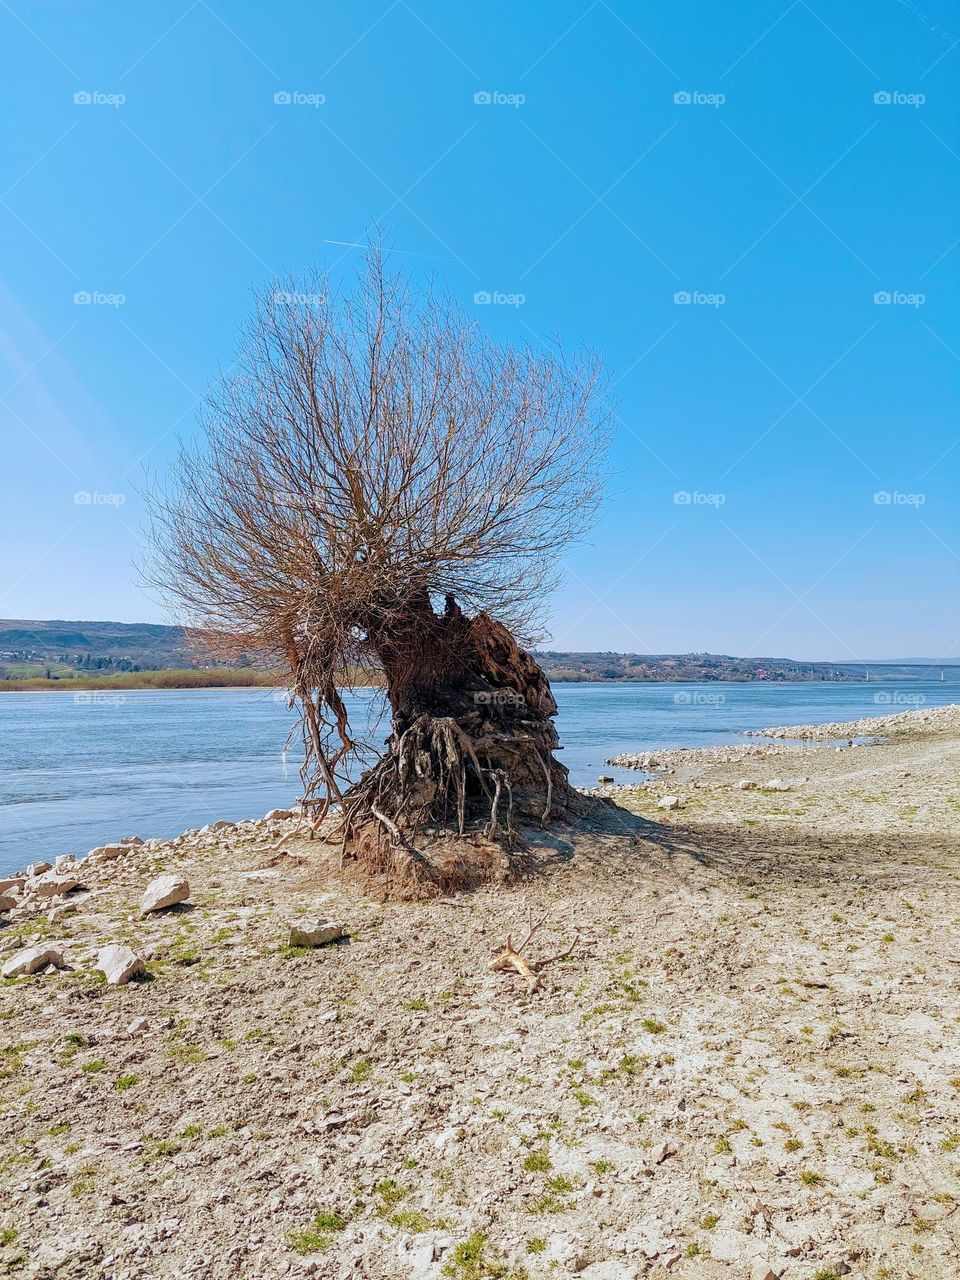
[75,773]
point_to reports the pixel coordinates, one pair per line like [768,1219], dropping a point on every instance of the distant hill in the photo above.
[35,647]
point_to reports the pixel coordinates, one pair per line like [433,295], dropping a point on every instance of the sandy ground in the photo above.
[748,1067]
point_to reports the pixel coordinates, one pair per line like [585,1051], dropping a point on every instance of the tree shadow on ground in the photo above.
[616,842]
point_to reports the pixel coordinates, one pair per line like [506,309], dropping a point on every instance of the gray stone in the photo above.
[313,931]
[609,1270]
[119,964]
[31,960]
[53,886]
[745,785]
[7,903]
[669,802]
[165,891]
[107,852]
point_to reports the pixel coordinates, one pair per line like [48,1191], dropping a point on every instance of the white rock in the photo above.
[746,785]
[762,1270]
[107,852]
[32,959]
[775,784]
[669,802]
[57,913]
[165,891]
[53,886]
[609,1270]
[138,1026]
[38,868]
[313,931]
[119,964]
[563,1252]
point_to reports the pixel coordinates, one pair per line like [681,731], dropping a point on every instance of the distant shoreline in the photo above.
[231,678]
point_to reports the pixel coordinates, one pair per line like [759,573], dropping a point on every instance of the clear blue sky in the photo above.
[783,185]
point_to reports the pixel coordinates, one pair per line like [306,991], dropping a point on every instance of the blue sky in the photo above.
[779,164]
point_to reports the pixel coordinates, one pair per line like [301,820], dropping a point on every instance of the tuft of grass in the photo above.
[709,1221]
[360,1070]
[537,1162]
[810,1178]
[654,1026]
[469,1260]
[536,1245]
[319,1236]
[415,1006]
[412,1220]
[91,1068]
[125,1082]
[8,1235]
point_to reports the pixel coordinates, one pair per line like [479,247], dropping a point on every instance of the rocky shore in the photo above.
[747,1067]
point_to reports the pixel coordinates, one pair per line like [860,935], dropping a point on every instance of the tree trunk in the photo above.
[470,756]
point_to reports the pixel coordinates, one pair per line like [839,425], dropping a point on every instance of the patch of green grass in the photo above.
[191,1131]
[8,1235]
[811,1178]
[537,1162]
[709,1221]
[692,1250]
[469,1260]
[950,1143]
[585,1099]
[654,1026]
[560,1184]
[360,1070]
[601,1167]
[319,1235]
[792,1144]
[536,1245]
[415,1006]
[412,1220]
[722,1146]
[91,1068]
[125,1082]
[389,1192]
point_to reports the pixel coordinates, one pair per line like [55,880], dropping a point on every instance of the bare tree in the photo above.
[380,487]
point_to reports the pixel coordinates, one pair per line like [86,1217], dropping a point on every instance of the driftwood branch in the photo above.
[512,957]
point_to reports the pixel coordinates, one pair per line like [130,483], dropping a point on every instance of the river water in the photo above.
[78,770]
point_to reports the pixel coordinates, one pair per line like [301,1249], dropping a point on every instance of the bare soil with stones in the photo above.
[749,1065]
